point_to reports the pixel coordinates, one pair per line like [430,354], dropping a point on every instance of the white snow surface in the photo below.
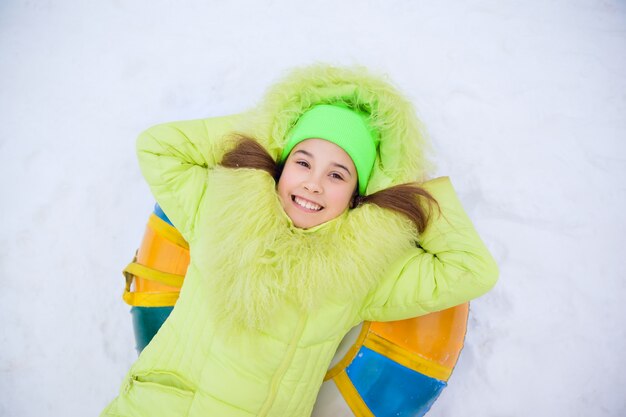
[524,101]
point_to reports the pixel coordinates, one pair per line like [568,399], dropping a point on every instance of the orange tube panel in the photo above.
[161,254]
[436,336]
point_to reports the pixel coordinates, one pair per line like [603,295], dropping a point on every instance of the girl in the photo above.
[301,226]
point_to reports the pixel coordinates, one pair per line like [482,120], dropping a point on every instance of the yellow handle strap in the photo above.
[150,299]
[171,280]
[166,230]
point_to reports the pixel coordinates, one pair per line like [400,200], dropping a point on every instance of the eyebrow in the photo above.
[310,155]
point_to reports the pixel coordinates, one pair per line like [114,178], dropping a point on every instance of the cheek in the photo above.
[280,186]
[283,182]
[342,197]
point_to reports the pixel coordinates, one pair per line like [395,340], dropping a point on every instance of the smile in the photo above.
[306,204]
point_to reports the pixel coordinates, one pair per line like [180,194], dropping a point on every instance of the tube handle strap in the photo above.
[168,231]
[150,299]
[151,274]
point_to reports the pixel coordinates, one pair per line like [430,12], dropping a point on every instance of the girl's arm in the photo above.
[175,159]
[451,266]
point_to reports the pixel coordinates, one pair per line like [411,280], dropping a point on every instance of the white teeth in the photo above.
[307,204]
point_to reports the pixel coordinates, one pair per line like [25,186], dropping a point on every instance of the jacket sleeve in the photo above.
[175,159]
[450,266]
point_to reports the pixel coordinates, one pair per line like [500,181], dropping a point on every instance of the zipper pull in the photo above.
[128,384]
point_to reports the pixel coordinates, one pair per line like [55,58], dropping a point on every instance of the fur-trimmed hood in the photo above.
[401,156]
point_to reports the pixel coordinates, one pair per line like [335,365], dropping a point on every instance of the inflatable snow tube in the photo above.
[380,369]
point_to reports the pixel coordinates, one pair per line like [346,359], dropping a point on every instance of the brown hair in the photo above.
[248,153]
[408,199]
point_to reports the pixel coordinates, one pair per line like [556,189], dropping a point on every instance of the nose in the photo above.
[313,187]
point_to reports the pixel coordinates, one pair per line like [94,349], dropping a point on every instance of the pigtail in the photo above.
[248,153]
[409,199]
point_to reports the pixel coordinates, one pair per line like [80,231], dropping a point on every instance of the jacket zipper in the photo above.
[282,369]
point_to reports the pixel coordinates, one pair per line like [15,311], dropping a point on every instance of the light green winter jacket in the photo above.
[264,304]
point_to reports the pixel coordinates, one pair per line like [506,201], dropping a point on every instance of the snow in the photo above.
[525,102]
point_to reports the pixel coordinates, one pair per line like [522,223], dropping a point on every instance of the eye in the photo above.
[337,176]
[303,163]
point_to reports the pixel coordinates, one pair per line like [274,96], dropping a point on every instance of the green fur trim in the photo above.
[403,141]
[258,260]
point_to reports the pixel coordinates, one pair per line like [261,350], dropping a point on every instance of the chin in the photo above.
[305,224]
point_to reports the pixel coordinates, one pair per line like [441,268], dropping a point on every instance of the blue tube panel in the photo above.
[390,389]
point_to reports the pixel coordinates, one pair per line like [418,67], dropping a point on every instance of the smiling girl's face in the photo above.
[317,183]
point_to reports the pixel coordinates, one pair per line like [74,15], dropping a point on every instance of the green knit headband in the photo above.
[347,128]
